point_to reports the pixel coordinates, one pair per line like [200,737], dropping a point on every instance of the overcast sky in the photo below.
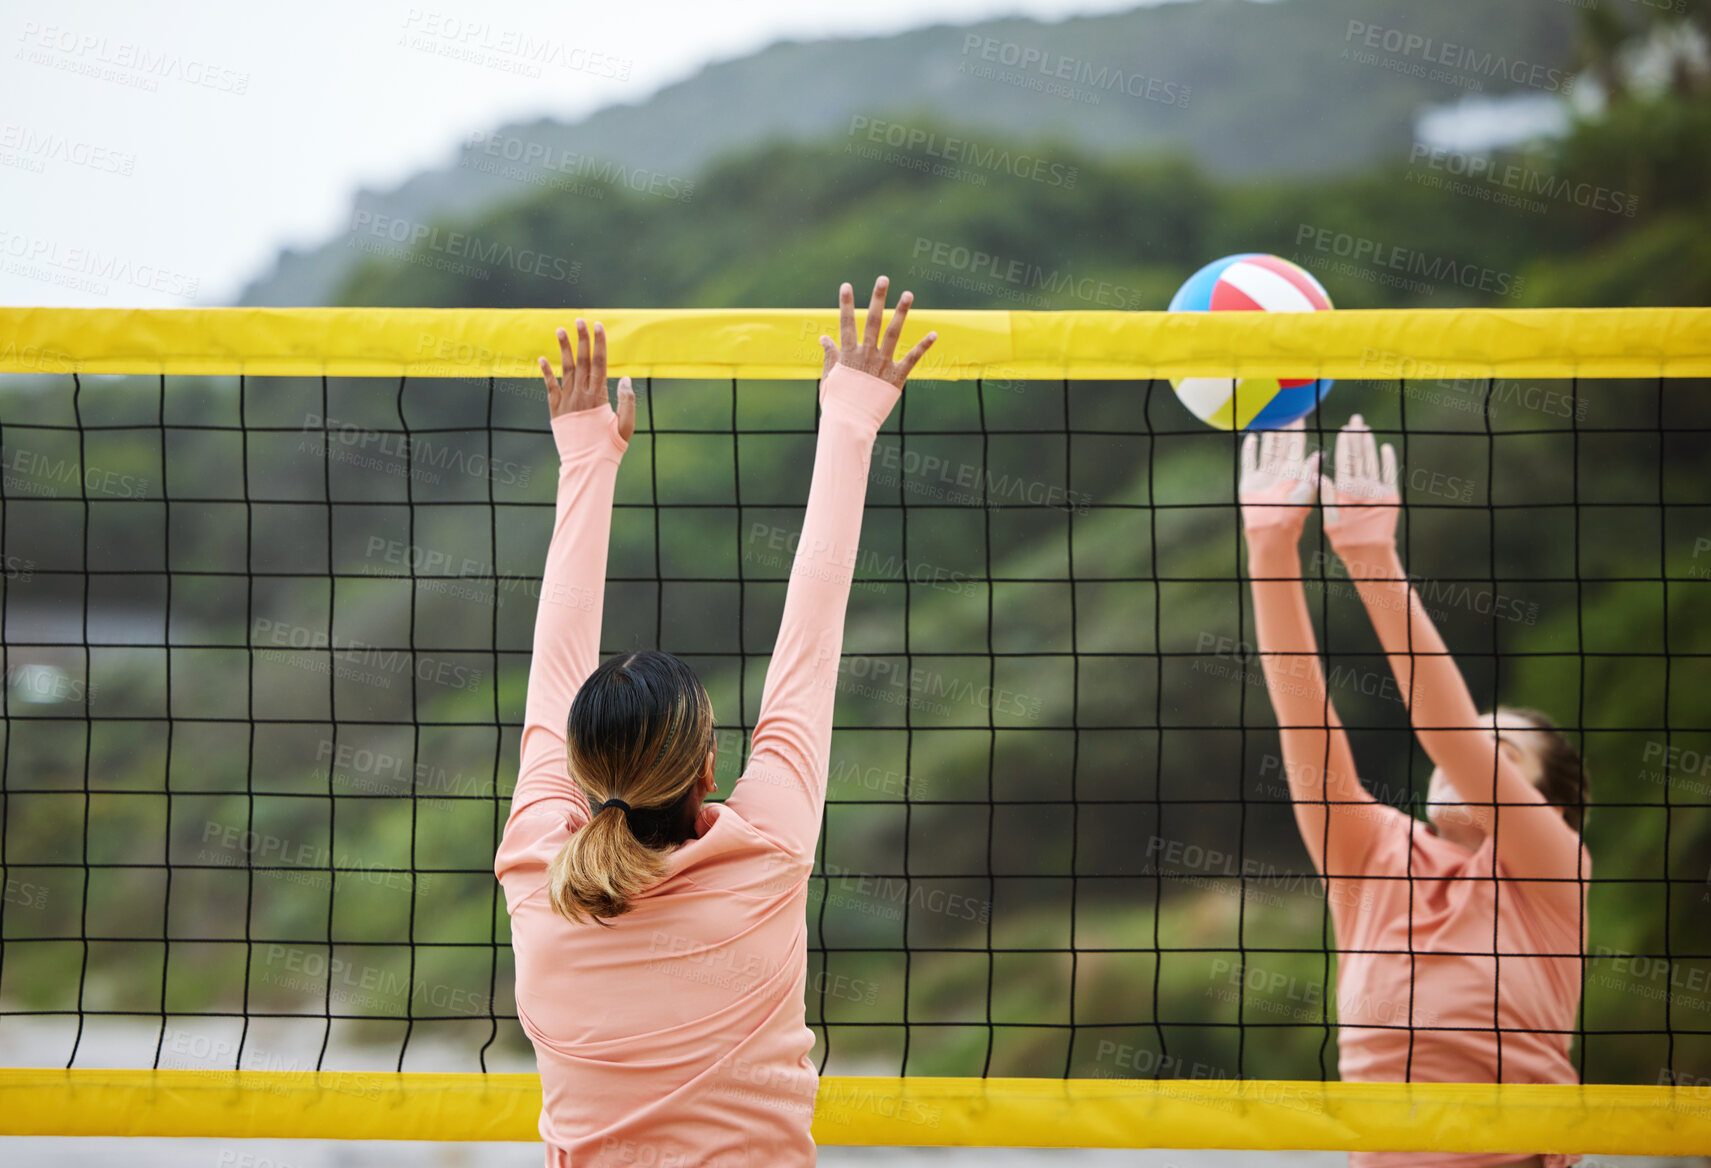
[158,154]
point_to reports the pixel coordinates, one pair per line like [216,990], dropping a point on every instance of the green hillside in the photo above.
[1242,88]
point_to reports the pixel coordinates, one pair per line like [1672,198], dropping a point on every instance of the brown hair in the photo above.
[639,731]
[1563,780]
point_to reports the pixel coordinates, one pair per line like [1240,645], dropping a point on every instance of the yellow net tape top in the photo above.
[784,343]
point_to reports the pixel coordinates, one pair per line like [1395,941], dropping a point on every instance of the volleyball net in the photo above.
[269,584]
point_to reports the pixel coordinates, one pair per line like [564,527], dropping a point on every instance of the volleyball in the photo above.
[1251,282]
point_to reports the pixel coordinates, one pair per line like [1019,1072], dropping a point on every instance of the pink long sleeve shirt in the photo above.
[1446,956]
[677,1036]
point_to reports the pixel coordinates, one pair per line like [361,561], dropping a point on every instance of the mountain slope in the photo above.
[1244,88]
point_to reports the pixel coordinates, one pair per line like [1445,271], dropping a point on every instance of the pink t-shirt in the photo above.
[1428,966]
[1468,979]
[677,1036]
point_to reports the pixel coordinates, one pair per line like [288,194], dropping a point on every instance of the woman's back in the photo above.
[661,943]
[689,1005]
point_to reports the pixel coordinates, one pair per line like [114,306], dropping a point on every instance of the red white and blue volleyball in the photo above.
[1251,282]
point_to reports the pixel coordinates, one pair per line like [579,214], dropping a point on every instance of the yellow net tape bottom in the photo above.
[1091,1113]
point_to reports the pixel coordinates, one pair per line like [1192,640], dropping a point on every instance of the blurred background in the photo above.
[1001,155]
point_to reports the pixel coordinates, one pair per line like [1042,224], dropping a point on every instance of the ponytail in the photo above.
[637,741]
[601,867]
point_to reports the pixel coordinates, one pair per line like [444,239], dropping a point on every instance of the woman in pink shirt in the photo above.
[661,942]
[1459,940]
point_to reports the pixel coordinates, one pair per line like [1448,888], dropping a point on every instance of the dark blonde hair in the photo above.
[639,731]
[1563,780]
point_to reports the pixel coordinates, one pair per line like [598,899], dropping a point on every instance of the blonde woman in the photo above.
[661,941]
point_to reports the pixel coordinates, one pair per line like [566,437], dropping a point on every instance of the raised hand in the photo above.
[1362,504]
[1277,478]
[874,355]
[583,383]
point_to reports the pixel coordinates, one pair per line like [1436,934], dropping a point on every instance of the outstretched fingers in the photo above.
[1310,475]
[1328,498]
[566,355]
[1271,454]
[552,386]
[914,355]
[1295,441]
[846,318]
[895,329]
[875,313]
[1346,458]
[584,352]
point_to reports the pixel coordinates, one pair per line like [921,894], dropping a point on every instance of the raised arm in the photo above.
[783,791]
[591,440]
[1532,838]
[1337,818]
